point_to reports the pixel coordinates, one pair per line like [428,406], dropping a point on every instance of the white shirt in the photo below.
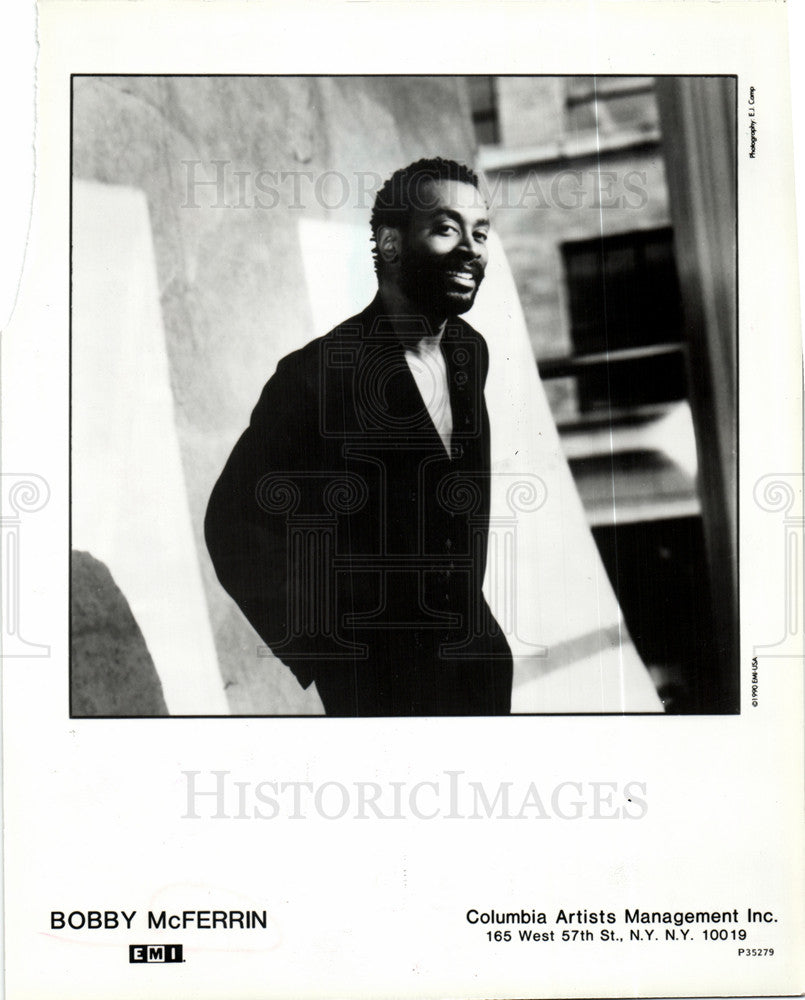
[428,367]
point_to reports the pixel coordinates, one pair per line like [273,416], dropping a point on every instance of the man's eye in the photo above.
[481,237]
[445,229]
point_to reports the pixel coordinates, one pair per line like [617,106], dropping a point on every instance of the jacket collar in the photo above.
[378,325]
[459,348]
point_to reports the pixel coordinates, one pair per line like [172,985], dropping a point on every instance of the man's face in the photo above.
[444,251]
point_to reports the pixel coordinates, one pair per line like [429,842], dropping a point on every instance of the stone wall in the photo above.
[229,166]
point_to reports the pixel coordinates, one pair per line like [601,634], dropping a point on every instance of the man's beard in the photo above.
[427,283]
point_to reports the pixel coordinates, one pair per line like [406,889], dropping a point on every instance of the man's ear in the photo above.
[389,240]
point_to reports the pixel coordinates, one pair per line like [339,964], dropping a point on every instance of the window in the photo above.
[610,103]
[631,450]
[626,321]
[484,104]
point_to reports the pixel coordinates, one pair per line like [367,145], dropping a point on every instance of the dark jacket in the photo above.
[352,542]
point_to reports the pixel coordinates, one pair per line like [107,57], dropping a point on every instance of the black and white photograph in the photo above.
[505,481]
[402,502]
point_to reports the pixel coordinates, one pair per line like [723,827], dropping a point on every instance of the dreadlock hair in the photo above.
[402,192]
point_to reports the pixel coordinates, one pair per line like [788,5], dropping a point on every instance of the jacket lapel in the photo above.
[460,368]
[389,385]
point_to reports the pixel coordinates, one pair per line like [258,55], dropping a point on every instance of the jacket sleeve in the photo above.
[246,526]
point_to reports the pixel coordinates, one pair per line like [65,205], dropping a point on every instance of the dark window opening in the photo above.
[657,569]
[484,104]
[626,320]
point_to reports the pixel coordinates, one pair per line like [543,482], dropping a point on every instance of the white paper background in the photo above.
[372,908]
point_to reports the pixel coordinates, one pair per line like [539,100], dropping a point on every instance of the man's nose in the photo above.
[470,245]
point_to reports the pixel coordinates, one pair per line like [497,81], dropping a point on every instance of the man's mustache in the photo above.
[473,267]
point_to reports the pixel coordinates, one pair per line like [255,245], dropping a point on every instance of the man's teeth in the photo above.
[462,275]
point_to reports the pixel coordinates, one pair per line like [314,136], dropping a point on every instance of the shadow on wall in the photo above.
[112,673]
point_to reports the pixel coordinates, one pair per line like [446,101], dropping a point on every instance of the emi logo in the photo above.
[139,953]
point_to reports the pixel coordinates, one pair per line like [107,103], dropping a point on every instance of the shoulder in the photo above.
[464,333]
[310,357]
[304,361]
[299,374]
[300,363]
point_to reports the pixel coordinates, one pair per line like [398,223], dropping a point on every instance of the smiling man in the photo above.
[350,523]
